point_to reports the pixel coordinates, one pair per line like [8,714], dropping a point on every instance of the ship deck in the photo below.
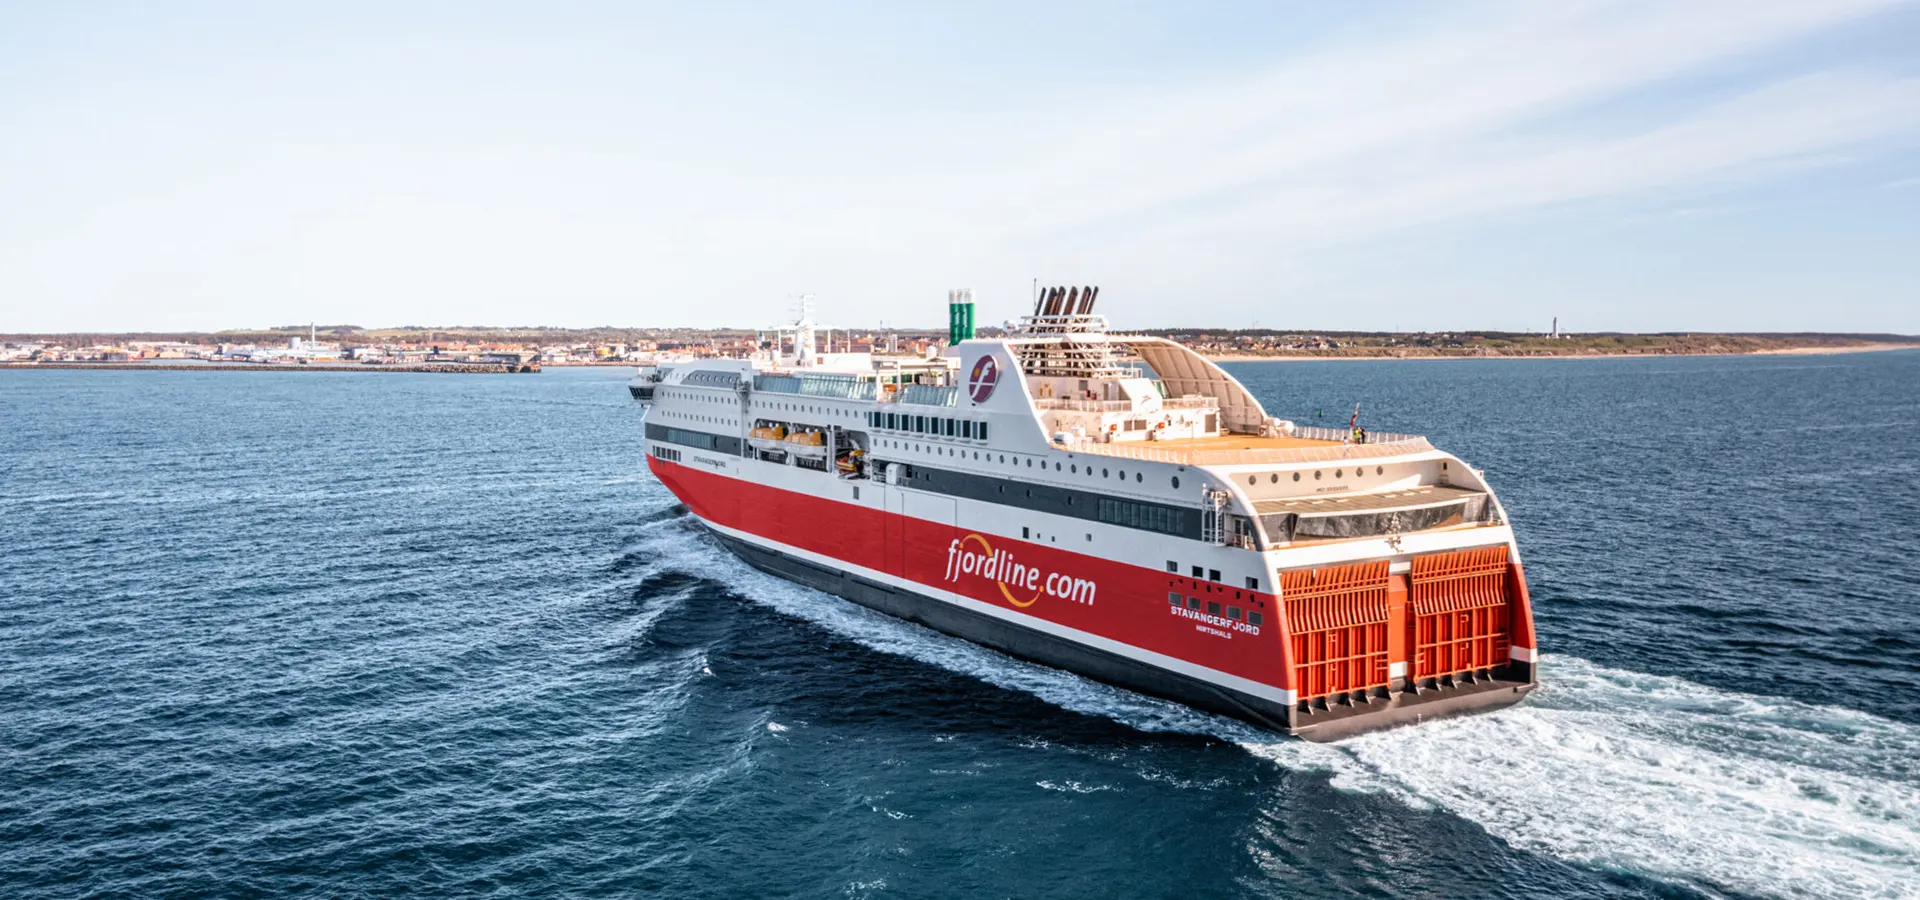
[1238,442]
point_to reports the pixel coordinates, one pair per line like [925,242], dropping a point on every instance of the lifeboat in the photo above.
[812,444]
[768,437]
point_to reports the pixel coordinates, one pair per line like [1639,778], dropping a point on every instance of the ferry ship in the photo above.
[1112,504]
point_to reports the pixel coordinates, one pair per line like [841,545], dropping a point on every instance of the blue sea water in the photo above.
[430,635]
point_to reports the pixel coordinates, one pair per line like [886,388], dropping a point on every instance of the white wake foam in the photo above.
[1616,769]
[1663,777]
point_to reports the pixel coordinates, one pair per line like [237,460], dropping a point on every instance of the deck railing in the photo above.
[843,387]
[1077,405]
[1144,450]
[928,394]
[1314,432]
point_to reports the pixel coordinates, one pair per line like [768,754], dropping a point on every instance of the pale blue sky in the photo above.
[1694,164]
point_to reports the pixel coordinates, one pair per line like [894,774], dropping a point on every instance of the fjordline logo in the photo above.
[986,374]
[1015,579]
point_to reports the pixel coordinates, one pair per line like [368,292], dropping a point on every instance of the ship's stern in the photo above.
[1373,645]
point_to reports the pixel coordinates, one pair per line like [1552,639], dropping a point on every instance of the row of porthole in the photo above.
[1358,472]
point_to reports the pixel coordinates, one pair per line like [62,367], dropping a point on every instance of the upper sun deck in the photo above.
[1303,445]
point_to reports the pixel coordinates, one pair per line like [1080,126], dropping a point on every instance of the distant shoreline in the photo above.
[1336,356]
[140,366]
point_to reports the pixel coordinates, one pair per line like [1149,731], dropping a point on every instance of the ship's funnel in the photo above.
[959,316]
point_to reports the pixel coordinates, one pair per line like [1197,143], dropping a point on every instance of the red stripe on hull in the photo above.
[1112,599]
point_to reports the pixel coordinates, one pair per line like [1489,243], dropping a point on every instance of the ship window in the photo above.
[1176,482]
[1253,618]
[1173,566]
[856,493]
[1213,608]
[1296,476]
[1023,532]
[1056,467]
[1316,475]
[1251,479]
[1103,472]
[1198,571]
[1075,470]
[966,429]
[1175,599]
[1339,473]
[1137,477]
[980,431]
[1276,478]
[1193,602]
[1213,574]
[1233,612]
[1253,584]
[1379,470]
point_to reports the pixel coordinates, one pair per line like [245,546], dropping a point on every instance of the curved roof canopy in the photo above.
[1186,372]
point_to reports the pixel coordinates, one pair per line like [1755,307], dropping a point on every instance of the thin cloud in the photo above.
[1419,127]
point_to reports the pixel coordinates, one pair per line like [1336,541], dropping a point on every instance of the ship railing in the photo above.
[1315,432]
[928,394]
[1192,401]
[842,387]
[1077,405]
[1269,456]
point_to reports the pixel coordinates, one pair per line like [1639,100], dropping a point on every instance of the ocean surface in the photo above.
[375,635]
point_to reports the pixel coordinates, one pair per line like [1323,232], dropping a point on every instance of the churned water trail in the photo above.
[1657,775]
